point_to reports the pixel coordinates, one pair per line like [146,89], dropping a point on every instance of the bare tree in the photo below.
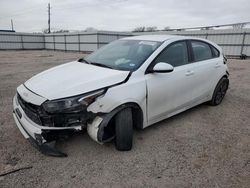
[61,31]
[139,29]
[90,29]
[45,31]
[55,31]
[167,28]
[151,29]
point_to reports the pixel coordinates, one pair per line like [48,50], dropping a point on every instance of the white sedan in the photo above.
[132,82]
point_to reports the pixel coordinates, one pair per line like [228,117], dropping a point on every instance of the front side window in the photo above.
[176,54]
[201,50]
[123,54]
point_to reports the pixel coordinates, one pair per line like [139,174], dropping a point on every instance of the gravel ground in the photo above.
[202,147]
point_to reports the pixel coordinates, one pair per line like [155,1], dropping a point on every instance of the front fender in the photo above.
[129,92]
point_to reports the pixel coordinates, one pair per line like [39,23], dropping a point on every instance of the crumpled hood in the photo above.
[73,78]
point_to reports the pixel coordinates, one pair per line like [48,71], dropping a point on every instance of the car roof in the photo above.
[158,38]
[162,38]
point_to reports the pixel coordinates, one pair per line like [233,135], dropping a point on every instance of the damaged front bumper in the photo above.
[44,138]
[40,136]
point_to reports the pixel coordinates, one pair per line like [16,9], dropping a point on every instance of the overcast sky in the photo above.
[120,15]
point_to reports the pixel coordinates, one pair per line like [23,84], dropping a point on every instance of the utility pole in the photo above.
[12,27]
[49,17]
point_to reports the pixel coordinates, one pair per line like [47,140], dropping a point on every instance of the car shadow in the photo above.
[169,121]
[81,138]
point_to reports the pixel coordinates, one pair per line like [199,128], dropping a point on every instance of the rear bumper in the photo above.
[38,135]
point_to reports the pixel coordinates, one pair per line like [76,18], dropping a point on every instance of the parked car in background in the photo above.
[130,83]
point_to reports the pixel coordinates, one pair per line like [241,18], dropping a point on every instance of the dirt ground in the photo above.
[202,147]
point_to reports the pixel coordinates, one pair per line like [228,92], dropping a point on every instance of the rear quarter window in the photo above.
[215,52]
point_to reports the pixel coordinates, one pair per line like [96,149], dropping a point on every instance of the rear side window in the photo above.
[201,50]
[176,54]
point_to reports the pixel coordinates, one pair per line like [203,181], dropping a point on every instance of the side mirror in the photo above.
[163,68]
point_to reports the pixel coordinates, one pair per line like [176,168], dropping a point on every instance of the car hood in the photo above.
[73,78]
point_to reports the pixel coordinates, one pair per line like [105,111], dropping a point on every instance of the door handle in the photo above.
[189,73]
[217,65]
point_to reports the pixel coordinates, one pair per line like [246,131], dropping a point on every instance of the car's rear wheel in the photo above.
[220,91]
[124,130]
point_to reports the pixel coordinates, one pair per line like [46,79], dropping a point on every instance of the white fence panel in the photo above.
[59,38]
[104,38]
[48,38]
[59,46]
[88,38]
[88,47]
[246,50]
[10,46]
[49,46]
[21,41]
[10,38]
[247,39]
[33,45]
[234,42]
[72,39]
[72,47]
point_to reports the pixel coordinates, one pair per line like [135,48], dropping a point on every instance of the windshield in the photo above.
[123,54]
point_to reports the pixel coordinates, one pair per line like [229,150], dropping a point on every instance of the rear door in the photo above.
[168,92]
[206,63]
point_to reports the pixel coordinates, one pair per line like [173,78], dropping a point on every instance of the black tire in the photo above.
[220,91]
[124,130]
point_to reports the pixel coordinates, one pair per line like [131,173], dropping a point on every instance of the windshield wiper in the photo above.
[101,65]
[83,60]
[94,63]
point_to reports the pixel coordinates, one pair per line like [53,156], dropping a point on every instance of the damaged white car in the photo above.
[130,83]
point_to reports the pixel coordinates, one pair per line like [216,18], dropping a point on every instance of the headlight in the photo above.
[72,104]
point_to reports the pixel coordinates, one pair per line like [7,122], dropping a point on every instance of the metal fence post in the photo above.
[22,41]
[206,35]
[79,44]
[44,42]
[65,45]
[97,36]
[243,43]
[54,43]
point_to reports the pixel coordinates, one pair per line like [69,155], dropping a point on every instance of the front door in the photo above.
[169,92]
